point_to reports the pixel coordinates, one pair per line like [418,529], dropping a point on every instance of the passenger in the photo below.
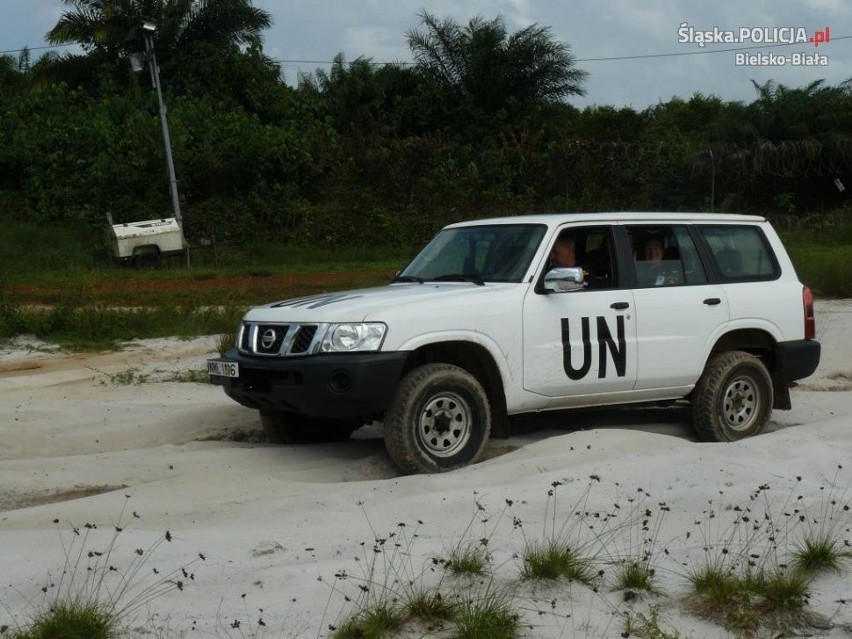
[658,273]
[653,250]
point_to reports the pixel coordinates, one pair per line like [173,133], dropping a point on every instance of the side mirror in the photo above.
[562,279]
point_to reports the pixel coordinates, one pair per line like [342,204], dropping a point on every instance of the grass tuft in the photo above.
[430,606]
[82,620]
[556,561]
[819,553]
[372,623]
[467,560]
[491,617]
[647,627]
[634,575]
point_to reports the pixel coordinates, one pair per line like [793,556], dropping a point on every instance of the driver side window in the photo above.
[590,248]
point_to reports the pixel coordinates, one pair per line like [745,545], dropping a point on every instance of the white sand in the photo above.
[276,523]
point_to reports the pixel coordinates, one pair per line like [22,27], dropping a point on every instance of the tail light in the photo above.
[810,321]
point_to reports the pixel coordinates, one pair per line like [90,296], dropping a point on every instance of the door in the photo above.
[677,310]
[581,342]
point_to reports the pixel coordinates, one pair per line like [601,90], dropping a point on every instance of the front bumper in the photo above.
[327,386]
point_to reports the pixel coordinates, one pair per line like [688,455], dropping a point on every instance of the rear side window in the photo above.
[740,252]
[664,256]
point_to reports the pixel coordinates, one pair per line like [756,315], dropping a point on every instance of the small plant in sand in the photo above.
[487,615]
[388,590]
[94,596]
[821,547]
[468,559]
[562,552]
[756,575]
[647,626]
[224,343]
[636,569]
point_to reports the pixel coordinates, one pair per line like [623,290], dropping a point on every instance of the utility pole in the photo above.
[148,29]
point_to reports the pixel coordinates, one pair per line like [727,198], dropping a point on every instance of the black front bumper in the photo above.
[798,359]
[329,386]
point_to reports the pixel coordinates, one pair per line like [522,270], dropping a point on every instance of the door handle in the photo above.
[619,306]
[712,301]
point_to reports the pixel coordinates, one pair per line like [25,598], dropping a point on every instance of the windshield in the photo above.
[499,253]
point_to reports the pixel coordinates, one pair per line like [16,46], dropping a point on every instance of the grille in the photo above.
[278,339]
[303,338]
[269,339]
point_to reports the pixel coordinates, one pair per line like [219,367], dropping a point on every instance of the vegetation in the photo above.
[98,589]
[366,154]
[756,578]
[554,561]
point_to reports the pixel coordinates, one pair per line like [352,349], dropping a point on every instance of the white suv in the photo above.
[482,324]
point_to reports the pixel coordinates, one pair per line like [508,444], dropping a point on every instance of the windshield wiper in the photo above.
[459,277]
[407,278]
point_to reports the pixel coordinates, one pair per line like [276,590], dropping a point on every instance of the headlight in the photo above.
[351,338]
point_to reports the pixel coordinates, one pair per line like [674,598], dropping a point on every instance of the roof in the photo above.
[555,219]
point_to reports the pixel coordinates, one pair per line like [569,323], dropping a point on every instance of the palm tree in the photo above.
[484,63]
[103,26]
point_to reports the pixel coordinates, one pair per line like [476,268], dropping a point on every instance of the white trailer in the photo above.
[146,242]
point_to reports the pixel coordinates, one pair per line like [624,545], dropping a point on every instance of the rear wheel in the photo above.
[733,398]
[438,420]
[289,428]
[146,258]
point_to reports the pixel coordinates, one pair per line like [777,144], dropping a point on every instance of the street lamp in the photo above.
[137,63]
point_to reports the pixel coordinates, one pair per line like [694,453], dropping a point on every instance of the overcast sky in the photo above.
[316,30]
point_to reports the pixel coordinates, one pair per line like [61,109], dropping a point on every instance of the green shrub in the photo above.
[83,620]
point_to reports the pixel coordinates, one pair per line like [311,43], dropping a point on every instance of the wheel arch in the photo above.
[479,362]
[763,345]
[142,249]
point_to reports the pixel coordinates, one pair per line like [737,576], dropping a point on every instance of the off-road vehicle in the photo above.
[482,325]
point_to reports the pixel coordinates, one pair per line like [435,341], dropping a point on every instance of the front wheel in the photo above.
[289,428]
[733,398]
[438,420]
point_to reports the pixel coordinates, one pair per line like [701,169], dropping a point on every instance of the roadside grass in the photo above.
[57,266]
[97,327]
[822,266]
[820,247]
[757,575]
[98,591]
[133,376]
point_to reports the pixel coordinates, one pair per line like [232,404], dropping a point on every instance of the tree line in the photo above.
[480,124]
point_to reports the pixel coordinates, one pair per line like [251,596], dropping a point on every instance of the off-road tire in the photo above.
[289,428]
[733,397]
[438,420]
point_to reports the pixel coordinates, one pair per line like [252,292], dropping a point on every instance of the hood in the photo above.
[377,304]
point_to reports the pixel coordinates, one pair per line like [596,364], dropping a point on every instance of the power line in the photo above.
[29,48]
[703,52]
[647,56]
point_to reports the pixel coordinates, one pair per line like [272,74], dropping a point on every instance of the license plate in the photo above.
[222,369]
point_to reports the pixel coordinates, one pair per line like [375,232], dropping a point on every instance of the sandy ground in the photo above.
[288,534]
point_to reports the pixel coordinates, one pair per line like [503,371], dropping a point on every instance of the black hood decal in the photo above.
[316,301]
